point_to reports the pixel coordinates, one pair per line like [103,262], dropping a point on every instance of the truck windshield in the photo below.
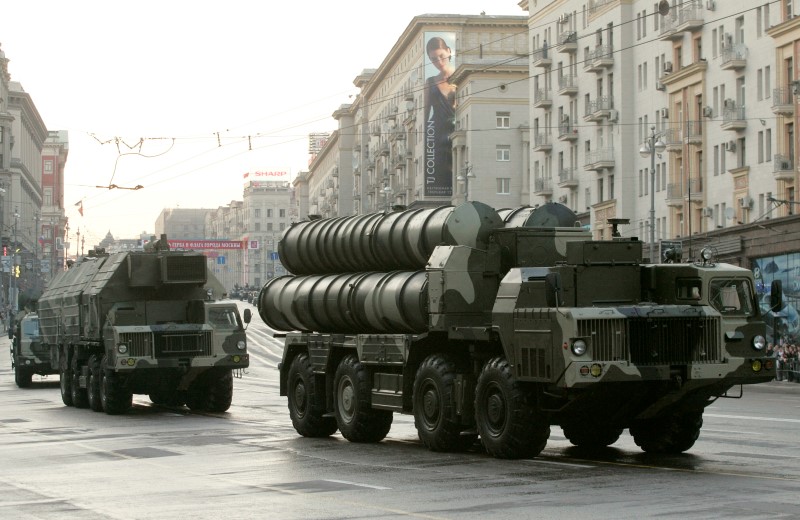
[731,296]
[222,319]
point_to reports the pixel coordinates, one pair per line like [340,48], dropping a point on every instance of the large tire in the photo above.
[115,398]
[509,426]
[357,420]
[93,385]
[435,415]
[306,403]
[671,434]
[65,375]
[23,377]
[211,392]
[590,435]
[80,398]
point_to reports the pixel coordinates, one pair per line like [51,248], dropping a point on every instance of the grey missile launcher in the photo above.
[498,325]
[140,322]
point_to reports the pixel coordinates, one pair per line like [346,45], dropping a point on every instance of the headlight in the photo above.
[579,347]
[706,254]
[759,342]
[122,348]
[241,345]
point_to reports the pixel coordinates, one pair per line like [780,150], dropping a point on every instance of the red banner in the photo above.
[206,244]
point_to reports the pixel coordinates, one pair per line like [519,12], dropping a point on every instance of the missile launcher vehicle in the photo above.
[498,325]
[140,322]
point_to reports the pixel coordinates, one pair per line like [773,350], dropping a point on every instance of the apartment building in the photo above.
[384,152]
[710,80]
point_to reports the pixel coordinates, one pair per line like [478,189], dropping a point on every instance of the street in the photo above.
[161,462]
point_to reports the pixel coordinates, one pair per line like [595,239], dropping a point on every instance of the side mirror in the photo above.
[776,296]
[247,315]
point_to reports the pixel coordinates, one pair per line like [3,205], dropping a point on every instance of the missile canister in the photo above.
[367,302]
[402,240]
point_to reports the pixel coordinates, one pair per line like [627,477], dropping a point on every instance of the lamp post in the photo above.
[651,148]
[466,175]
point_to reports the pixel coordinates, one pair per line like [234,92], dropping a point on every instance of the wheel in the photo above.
[435,416]
[93,384]
[65,375]
[80,398]
[671,434]
[306,403]
[115,398]
[590,435]
[211,392]
[22,377]
[509,426]
[356,419]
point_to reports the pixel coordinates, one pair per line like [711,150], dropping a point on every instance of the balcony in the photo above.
[693,132]
[675,195]
[783,101]
[600,58]
[783,167]
[541,57]
[542,187]
[567,85]
[668,31]
[542,98]
[567,178]
[567,42]
[599,159]
[383,149]
[541,143]
[690,17]
[734,57]
[694,192]
[733,117]
[567,132]
[598,109]
[673,138]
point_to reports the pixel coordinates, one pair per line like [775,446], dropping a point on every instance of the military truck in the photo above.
[139,322]
[498,325]
[28,355]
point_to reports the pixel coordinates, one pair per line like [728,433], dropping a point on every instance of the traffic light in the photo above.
[16,271]
[5,250]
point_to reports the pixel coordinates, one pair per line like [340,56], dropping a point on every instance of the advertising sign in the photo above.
[205,244]
[439,117]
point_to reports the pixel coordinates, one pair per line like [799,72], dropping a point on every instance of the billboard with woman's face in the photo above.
[439,120]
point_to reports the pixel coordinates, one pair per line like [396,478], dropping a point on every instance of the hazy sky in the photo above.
[145,88]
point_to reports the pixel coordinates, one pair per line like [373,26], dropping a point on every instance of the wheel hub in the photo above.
[346,399]
[300,396]
[496,410]
[430,405]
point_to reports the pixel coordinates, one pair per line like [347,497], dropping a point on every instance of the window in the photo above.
[269,213]
[269,226]
[760,147]
[731,296]
[610,186]
[758,22]
[48,167]
[759,84]
[503,120]
[768,145]
[257,213]
[282,213]
[644,75]
[282,226]
[716,160]
[503,152]
[503,186]
[258,226]
[641,177]
[767,83]
[48,197]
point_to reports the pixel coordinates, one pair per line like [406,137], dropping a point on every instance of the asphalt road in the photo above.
[169,463]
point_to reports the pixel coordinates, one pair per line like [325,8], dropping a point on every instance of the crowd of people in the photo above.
[787,360]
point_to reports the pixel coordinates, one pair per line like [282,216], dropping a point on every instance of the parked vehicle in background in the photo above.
[28,355]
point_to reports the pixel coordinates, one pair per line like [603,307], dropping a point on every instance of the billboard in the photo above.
[439,117]
[205,244]
[280,174]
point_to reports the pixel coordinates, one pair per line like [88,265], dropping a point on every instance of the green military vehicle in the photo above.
[500,324]
[28,355]
[139,322]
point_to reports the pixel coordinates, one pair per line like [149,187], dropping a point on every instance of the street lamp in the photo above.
[651,148]
[466,175]
[387,192]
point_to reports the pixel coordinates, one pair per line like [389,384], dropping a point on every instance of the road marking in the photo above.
[32,502]
[572,465]
[750,418]
[355,484]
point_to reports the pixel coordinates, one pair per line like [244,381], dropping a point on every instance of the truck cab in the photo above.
[28,355]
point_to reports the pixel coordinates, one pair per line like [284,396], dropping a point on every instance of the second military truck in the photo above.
[498,325]
[139,322]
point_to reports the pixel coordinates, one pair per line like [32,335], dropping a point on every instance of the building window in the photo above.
[503,120]
[269,213]
[282,213]
[269,226]
[760,147]
[258,226]
[767,83]
[503,186]
[503,152]
[48,167]
[48,197]
[257,213]
[768,145]
[283,226]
